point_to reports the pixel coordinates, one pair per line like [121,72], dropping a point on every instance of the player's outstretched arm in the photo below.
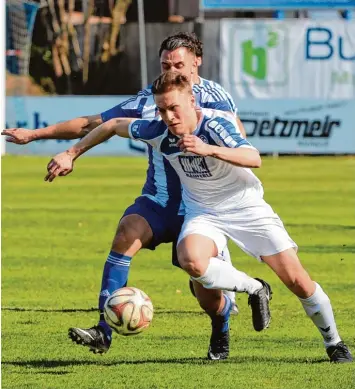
[71,129]
[62,164]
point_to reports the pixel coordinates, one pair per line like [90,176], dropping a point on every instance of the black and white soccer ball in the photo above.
[128,311]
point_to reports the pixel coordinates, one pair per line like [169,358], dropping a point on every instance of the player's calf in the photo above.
[231,295]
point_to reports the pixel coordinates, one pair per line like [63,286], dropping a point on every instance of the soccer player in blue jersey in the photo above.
[156,216]
[223,198]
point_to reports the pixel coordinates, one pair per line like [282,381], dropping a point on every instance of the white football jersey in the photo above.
[162,183]
[209,184]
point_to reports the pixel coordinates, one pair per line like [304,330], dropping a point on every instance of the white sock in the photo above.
[225,256]
[222,275]
[319,309]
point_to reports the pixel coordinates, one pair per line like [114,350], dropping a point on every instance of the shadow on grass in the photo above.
[73,310]
[324,249]
[325,227]
[52,364]
[19,309]
[52,372]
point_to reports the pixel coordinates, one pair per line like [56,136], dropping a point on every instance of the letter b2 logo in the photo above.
[255,62]
[262,55]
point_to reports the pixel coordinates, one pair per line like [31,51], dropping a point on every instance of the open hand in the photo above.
[20,136]
[193,144]
[60,165]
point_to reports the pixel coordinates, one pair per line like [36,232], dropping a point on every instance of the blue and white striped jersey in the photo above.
[209,184]
[162,183]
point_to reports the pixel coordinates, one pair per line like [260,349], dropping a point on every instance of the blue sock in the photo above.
[115,276]
[220,322]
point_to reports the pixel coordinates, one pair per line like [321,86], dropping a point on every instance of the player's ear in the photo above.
[193,100]
[199,61]
[195,64]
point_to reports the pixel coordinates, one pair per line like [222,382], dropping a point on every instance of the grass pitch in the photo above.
[55,241]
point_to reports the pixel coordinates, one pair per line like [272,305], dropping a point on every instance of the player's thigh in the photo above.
[258,231]
[156,224]
[134,230]
[176,229]
[205,226]
[199,240]
[289,269]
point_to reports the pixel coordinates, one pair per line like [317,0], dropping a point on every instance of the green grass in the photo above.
[55,239]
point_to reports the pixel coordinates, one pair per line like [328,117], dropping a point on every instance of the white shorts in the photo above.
[256,229]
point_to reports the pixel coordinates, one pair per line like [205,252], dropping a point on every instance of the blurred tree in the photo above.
[75,38]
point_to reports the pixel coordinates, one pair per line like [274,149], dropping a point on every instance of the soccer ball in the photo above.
[128,311]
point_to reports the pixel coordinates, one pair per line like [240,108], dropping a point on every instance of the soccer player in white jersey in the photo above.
[156,216]
[223,198]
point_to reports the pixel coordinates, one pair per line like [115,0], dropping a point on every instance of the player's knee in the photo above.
[122,240]
[191,265]
[129,232]
[300,284]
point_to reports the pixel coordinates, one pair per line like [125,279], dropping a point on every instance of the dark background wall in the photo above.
[122,74]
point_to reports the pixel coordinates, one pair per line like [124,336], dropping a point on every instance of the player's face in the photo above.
[177,109]
[180,60]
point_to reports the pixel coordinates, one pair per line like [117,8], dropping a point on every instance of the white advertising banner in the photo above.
[273,126]
[38,112]
[300,126]
[288,59]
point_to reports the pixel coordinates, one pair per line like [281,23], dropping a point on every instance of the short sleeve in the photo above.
[131,108]
[148,131]
[214,96]
[225,132]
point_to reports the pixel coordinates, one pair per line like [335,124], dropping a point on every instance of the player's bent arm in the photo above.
[70,129]
[241,156]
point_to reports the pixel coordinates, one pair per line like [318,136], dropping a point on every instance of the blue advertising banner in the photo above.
[40,111]
[289,126]
[276,4]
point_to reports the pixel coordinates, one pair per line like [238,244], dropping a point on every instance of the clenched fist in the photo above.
[193,144]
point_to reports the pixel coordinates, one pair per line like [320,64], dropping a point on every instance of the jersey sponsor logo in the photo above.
[135,130]
[169,146]
[172,142]
[194,166]
[203,138]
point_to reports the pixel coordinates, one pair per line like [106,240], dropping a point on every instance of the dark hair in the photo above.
[182,39]
[170,80]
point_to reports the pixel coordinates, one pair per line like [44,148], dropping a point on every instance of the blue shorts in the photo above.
[164,222]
